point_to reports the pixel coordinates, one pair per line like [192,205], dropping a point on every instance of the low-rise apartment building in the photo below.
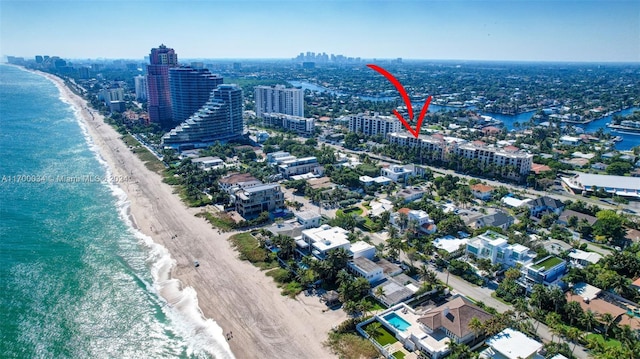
[300,125]
[437,149]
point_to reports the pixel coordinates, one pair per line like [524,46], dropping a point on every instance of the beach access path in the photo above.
[234,293]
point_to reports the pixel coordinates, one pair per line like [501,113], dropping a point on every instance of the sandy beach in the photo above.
[237,295]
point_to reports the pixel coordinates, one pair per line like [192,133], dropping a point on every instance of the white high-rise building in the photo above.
[142,89]
[279,99]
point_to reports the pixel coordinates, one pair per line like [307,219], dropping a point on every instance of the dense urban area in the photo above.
[509,228]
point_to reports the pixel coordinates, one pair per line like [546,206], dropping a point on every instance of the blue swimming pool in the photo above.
[397,322]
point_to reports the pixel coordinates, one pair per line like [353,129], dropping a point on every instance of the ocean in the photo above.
[77,280]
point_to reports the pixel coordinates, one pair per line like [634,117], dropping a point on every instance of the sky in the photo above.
[508,30]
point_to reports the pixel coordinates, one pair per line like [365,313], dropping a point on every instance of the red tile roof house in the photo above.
[482,191]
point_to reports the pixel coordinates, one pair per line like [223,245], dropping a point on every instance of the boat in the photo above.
[618,139]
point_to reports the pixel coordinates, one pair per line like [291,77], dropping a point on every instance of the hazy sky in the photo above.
[548,30]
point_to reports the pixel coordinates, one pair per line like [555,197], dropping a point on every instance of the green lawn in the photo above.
[548,263]
[398,355]
[353,211]
[609,343]
[374,304]
[383,336]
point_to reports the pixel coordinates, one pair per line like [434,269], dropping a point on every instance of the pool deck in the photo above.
[435,342]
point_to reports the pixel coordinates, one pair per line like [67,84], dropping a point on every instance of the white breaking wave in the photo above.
[204,337]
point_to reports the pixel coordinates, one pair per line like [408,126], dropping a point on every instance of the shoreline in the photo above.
[231,292]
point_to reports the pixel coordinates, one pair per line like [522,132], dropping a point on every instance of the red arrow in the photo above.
[407,102]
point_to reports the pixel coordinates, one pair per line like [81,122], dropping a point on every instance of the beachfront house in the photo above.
[366,268]
[430,332]
[252,201]
[512,344]
[323,239]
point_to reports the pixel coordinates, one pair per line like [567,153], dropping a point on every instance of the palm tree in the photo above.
[380,292]
[556,295]
[588,319]
[427,274]
[574,312]
[574,335]
[477,326]
[373,329]
[521,307]
[606,319]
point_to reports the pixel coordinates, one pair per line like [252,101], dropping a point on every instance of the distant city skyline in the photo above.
[518,30]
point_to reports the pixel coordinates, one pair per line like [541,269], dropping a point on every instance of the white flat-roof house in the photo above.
[366,268]
[512,344]
[582,259]
[494,246]
[325,238]
[298,166]
[396,173]
[362,249]
[308,219]
[208,162]
[380,180]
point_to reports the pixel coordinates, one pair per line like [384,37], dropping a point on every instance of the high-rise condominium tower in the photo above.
[161,60]
[278,99]
[220,119]
[190,89]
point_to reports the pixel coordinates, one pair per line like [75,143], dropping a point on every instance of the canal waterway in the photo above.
[629,140]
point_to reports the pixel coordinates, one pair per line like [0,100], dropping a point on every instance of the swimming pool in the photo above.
[397,322]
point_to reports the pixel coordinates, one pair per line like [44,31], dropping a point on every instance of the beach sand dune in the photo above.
[237,295]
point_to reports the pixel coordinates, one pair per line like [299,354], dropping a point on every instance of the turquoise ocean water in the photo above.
[76,280]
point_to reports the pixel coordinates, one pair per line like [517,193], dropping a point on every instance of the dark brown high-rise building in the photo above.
[159,101]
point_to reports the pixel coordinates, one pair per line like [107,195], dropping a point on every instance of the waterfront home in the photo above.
[325,238]
[236,181]
[366,268]
[251,201]
[570,141]
[430,332]
[394,290]
[512,344]
[207,163]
